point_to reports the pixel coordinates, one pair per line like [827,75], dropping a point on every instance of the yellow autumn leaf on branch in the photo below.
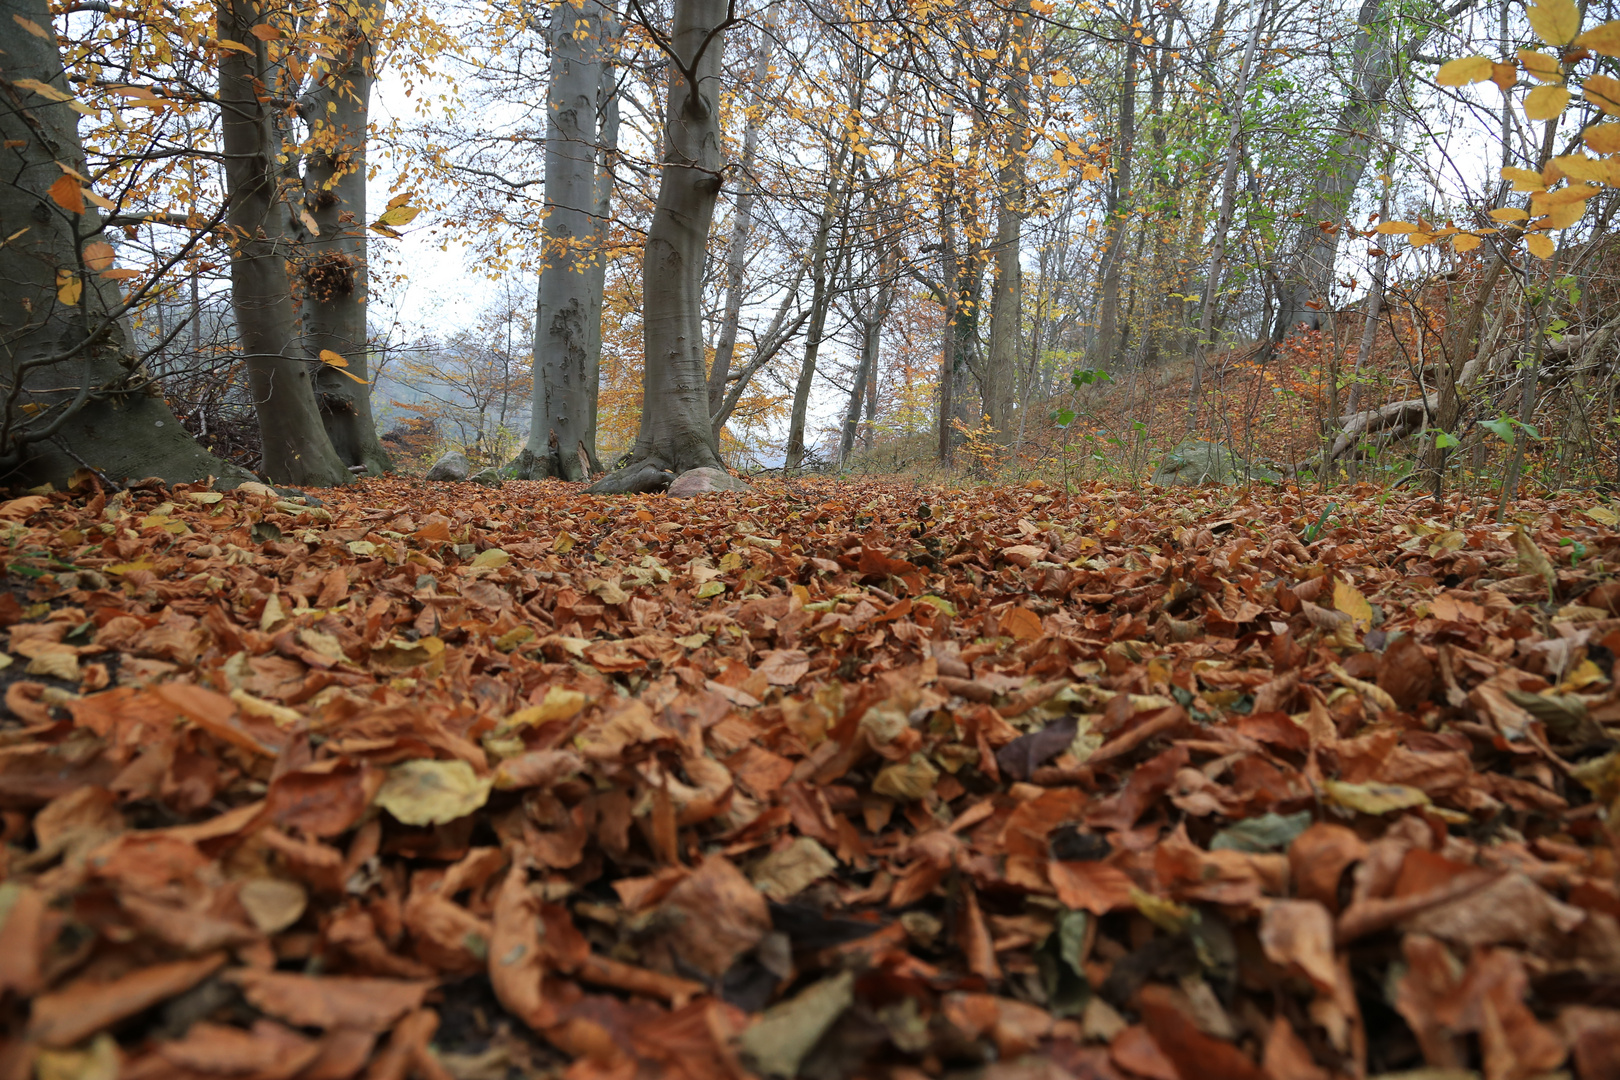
[43,89]
[1396,228]
[1465,242]
[1603,138]
[334,359]
[1523,179]
[1603,92]
[1540,245]
[67,194]
[32,27]
[98,255]
[396,216]
[1555,21]
[68,287]
[1541,67]
[1509,213]
[1545,102]
[1461,72]
[1603,39]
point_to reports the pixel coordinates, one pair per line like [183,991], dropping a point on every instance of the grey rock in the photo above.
[490,477]
[451,467]
[1197,462]
[700,481]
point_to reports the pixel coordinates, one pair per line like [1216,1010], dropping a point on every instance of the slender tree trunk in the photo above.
[1308,271]
[675,434]
[1118,206]
[72,393]
[607,110]
[562,391]
[1223,222]
[742,222]
[332,263]
[998,386]
[871,323]
[961,275]
[823,273]
[820,303]
[296,447]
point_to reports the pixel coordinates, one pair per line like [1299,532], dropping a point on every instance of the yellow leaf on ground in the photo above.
[1348,599]
[1374,798]
[432,792]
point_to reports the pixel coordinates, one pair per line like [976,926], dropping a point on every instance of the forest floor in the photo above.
[833,780]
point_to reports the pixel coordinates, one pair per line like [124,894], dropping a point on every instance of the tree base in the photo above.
[124,440]
[644,476]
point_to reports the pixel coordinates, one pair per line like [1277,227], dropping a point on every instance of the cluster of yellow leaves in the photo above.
[1558,24]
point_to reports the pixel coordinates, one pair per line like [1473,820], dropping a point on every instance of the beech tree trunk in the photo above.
[675,434]
[72,394]
[742,225]
[295,444]
[562,420]
[998,382]
[820,302]
[607,111]
[332,263]
[1119,197]
[1223,223]
[1308,272]
[870,319]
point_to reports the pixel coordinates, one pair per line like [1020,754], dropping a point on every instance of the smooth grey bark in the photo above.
[332,267]
[296,447]
[821,284]
[72,393]
[1223,220]
[607,119]
[1308,270]
[675,433]
[961,282]
[870,319]
[1119,197]
[562,341]
[742,224]
[998,380]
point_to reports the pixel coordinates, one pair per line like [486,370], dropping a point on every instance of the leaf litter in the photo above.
[825,780]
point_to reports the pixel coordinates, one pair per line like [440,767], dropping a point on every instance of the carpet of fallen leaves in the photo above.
[821,780]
